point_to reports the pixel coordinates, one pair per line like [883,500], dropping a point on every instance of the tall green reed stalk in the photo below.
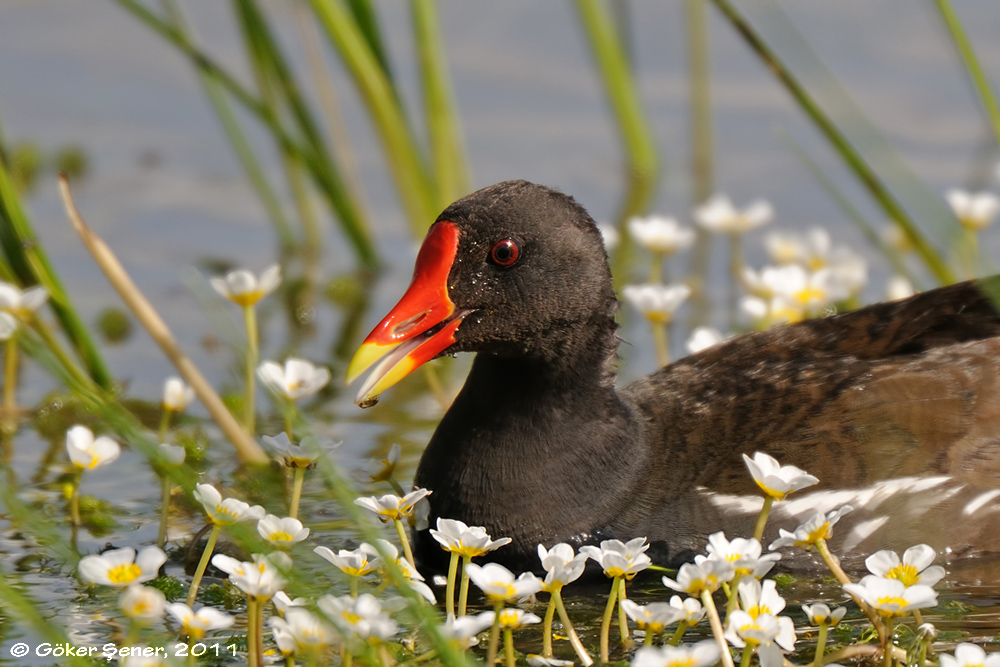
[824,121]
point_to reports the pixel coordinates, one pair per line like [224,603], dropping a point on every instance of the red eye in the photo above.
[505,253]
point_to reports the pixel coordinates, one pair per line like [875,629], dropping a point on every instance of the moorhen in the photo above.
[895,406]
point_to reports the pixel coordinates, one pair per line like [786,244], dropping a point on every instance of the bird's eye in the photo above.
[505,253]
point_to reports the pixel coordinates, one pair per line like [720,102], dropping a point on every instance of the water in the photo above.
[165,191]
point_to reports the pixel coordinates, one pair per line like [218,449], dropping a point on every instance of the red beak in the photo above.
[419,327]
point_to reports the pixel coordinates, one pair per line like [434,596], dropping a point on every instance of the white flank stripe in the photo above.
[980,500]
[862,531]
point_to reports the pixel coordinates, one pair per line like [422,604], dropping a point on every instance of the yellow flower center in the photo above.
[905,573]
[123,574]
[225,512]
[351,617]
[821,533]
[810,294]
[890,601]
[757,610]
[681,662]
[247,298]
[280,536]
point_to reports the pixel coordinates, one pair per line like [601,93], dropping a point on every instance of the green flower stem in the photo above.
[648,639]
[401,532]
[165,485]
[251,632]
[626,636]
[655,268]
[396,487]
[971,254]
[508,646]
[293,506]
[250,320]
[206,556]
[191,660]
[735,277]
[463,593]
[747,654]
[820,645]
[918,618]
[661,336]
[449,594]
[74,500]
[491,652]
[164,425]
[887,643]
[132,637]
[717,632]
[550,614]
[10,384]
[758,530]
[838,572]
[733,602]
[968,55]
[606,621]
[290,660]
[258,623]
[678,633]
[354,587]
[574,639]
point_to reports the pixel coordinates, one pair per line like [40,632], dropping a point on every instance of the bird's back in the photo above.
[895,407]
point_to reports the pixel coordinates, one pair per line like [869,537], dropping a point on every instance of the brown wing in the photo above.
[894,389]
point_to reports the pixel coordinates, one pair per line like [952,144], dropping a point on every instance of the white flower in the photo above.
[282,602]
[661,235]
[173,455]
[470,541]
[356,563]
[499,585]
[914,568]
[243,287]
[702,654]
[708,575]
[225,512]
[197,623]
[87,452]
[620,559]
[297,379]
[787,247]
[892,597]
[657,302]
[894,236]
[694,612]
[21,304]
[767,312]
[820,614]
[743,553]
[176,395]
[121,567]
[719,215]
[703,338]
[757,598]
[899,287]
[817,527]
[380,470]
[463,629]
[300,630]
[282,532]
[302,455]
[8,325]
[561,565]
[260,579]
[359,617]
[653,617]
[610,236]
[974,210]
[970,655]
[536,660]
[142,603]
[391,507]
[767,633]
[775,479]
[512,618]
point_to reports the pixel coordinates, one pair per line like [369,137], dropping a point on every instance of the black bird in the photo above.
[895,407]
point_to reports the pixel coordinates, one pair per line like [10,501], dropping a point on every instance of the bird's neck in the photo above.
[530,440]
